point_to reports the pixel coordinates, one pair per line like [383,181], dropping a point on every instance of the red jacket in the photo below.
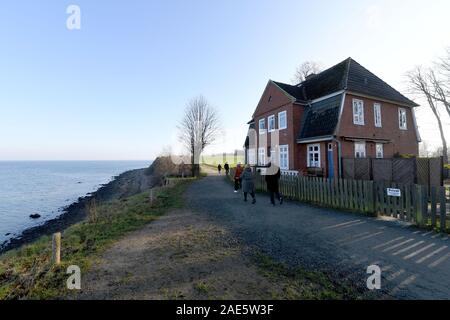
[238,172]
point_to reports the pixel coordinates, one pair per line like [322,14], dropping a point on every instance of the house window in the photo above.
[282,120]
[360,149]
[284,157]
[377,114]
[402,119]
[271,123]
[270,98]
[313,156]
[262,126]
[358,112]
[262,156]
[379,150]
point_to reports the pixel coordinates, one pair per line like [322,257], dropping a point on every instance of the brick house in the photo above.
[343,112]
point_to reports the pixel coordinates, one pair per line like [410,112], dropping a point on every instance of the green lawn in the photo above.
[215,160]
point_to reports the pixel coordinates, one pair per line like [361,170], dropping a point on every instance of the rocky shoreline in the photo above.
[126,184]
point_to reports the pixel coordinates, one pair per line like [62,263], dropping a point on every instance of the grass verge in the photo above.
[27,273]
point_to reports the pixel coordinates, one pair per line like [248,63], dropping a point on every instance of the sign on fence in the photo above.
[394,192]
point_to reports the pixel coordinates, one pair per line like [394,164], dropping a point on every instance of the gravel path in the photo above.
[415,264]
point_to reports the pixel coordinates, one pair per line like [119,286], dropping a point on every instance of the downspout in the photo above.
[339,156]
[335,135]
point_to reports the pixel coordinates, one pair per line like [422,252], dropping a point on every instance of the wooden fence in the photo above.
[420,205]
[422,171]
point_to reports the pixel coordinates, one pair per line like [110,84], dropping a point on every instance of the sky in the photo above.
[117,88]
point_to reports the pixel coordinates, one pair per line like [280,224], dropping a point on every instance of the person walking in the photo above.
[227,168]
[237,178]
[219,168]
[273,183]
[248,183]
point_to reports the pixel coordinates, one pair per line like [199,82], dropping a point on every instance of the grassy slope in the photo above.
[28,273]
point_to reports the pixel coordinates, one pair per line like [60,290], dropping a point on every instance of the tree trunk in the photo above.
[441,128]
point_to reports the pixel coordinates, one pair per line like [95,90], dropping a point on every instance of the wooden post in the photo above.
[443,207]
[433,206]
[408,202]
[56,248]
[151,196]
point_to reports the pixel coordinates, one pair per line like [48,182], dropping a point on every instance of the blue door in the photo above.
[330,161]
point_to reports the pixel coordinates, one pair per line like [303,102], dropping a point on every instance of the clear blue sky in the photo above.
[117,88]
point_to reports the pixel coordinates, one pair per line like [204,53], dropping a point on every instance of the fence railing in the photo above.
[420,205]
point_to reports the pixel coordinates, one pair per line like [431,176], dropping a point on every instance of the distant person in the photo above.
[227,168]
[248,183]
[273,183]
[219,168]
[237,178]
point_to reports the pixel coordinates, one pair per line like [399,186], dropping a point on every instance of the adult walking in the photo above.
[248,183]
[227,168]
[273,186]
[237,178]
[219,168]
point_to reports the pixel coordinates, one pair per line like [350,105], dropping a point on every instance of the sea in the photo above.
[47,187]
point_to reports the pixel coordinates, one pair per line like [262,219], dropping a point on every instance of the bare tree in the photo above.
[304,70]
[423,83]
[441,80]
[198,129]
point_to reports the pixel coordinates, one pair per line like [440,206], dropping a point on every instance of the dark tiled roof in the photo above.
[347,75]
[321,118]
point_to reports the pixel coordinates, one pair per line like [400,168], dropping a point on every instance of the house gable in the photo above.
[272,98]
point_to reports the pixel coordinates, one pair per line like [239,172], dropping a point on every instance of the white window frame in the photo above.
[360,143]
[284,149]
[358,116]
[402,119]
[269,121]
[379,153]
[377,115]
[308,152]
[262,130]
[262,156]
[280,126]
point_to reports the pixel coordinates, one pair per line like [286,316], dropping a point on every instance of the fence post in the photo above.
[370,197]
[443,207]
[422,206]
[433,206]
[56,248]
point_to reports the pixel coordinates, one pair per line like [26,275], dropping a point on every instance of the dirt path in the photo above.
[415,264]
[182,255]
[185,255]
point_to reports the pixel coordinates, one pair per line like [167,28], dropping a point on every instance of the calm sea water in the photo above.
[45,187]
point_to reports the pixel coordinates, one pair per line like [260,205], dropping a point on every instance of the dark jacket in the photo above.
[226,166]
[273,181]
[248,184]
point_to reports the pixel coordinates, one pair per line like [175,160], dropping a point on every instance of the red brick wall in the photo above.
[302,156]
[280,102]
[401,141]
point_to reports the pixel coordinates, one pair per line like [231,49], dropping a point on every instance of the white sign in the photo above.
[394,192]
